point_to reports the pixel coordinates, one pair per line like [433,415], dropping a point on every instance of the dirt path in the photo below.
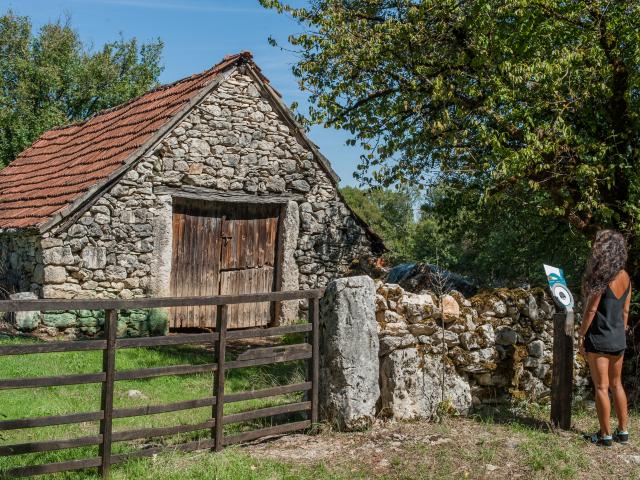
[478,448]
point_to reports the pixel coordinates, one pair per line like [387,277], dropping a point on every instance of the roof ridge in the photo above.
[246,55]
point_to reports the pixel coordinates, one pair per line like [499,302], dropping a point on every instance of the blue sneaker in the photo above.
[600,440]
[621,437]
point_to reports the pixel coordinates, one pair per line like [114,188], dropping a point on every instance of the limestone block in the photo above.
[94,257]
[450,309]
[53,274]
[65,290]
[25,321]
[57,256]
[290,273]
[59,320]
[411,385]
[349,366]
[506,335]
[536,348]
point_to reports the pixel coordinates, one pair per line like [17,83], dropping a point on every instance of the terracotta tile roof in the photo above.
[64,163]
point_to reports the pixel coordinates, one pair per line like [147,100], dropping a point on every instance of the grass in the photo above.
[20,403]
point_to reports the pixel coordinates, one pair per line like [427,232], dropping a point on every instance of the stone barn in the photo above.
[205,186]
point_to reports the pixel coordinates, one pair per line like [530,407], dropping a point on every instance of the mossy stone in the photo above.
[158,321]
[60,320]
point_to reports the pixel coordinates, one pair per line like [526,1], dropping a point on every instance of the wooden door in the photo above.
[223,249]
[248,260]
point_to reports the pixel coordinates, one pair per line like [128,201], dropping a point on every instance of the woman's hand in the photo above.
[581,346]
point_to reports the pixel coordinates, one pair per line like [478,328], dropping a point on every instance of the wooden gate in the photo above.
[223,249]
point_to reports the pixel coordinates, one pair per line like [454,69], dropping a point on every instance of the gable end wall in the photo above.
[232,141]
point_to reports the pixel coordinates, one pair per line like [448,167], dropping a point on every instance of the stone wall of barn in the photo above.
[233,141]
[21,263]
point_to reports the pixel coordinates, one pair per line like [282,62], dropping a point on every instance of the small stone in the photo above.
[450,308]
[136,394]
[536,348]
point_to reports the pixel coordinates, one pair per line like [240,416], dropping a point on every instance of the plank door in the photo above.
[195,261]
[223,249]
[248,260]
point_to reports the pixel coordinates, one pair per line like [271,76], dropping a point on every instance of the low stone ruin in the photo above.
[447,352]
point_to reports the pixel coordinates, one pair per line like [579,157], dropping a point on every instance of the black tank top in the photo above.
[606,332]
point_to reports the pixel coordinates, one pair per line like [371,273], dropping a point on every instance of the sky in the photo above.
[197,34]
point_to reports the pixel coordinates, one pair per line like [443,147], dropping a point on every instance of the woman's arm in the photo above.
[627,305]
[590,308]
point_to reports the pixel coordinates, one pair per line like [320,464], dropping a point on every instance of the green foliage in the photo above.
[390,214]
[495,244]
[532,103]
[51,78]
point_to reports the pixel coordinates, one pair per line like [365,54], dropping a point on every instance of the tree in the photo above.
[390,214]
[51,78]
[496,245]
[529,101]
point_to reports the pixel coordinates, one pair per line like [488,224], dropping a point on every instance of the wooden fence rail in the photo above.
[109,346]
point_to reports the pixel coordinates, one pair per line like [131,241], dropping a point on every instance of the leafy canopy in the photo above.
[390,214]
[534,101]
[50,78]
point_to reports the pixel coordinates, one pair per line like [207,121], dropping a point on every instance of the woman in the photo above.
[606,286]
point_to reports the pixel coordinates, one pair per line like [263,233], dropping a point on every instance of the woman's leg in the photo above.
[599,368]
[617,392]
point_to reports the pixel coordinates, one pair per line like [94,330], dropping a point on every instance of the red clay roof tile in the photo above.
[64,163]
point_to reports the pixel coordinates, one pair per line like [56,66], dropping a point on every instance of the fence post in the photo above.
[218,384]
[106,399]
[314,319]
[562,373]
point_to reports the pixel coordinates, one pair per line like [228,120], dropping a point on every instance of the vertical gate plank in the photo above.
[221,345]
[195,260]
[106,398]
[314,314]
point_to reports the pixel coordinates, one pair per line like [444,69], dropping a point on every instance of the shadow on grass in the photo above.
[520,417]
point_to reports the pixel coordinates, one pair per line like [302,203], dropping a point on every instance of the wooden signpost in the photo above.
[562,372]
[562,367]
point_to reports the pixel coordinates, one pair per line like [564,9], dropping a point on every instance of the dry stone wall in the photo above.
[452,352]
[233,141]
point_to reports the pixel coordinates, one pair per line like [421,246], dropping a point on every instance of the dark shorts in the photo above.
[589,348]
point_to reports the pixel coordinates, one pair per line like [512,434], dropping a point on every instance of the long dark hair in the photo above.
[608,257]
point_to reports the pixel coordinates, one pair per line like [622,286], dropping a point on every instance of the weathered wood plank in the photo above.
[562,374]
[314,314]
[71,346]
[49,445]
[164,408]
[266,412]
[267,352]
[106,398]
[50,420]
[217,432]
[149,452]
[48,468]
[164,371]
[152,302]
[35,382]
[269,332]
[125,435]
[263,432]
[267,392]
[185,339]
[201,193]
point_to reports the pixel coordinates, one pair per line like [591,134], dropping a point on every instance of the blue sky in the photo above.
[197,34]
